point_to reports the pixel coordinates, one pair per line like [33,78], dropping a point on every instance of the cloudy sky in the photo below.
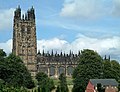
[68,25]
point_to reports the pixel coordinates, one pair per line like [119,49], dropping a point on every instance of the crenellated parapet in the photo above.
[56,54]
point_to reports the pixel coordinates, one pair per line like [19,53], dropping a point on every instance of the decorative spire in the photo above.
[32,13]
[23,17]
[61,53]
[67,55]
[79,53]
[105,57]
[32,8]
[52,53]
[28,12]
[64,53]
[43,52]
[19,7]
[75,55]
[56,53]
[109,58]
[70,53]
[17,13]
[39,52]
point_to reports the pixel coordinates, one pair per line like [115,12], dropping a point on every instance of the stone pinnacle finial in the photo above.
[39,52]
[52,52]
[32,7]
[61,53]
[43,52]
[105,57]
[23,16]
[109,58]
[18,6]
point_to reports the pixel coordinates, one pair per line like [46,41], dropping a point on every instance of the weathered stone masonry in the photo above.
[25,46]
[24,38]
[55,64]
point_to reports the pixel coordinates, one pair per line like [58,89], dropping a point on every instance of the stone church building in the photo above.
[55,64]
[25,46]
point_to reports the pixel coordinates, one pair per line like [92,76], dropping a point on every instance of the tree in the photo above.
[51,84]
[63,84]
[116,69]
[46,84]
[107,69]
[119,85]
[111,69]
[14,72]
[41,78]
[3,65]
[58,89]
[89,67]
[2,53]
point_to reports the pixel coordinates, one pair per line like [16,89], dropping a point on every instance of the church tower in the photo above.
[24,38]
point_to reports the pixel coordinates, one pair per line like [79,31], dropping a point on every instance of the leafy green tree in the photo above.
[46,84]
[107,69]
[2,53]
[6,88]
[51,84]
[14,72]
[89,67]
[63,84]
[111,69]
[76,71]
[119,85]
[58,89]
[116,69]
[38,89]
[41,77]
[2,63]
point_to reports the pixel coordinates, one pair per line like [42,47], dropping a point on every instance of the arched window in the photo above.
[52,70]
[70,70]
[61,69]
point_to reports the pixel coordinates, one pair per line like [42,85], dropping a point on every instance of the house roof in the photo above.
[104,82]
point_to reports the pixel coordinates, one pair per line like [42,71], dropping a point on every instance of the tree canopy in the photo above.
[90,66]
[14,72]
[2,53]
[62,87]
[111,69]
[45,84]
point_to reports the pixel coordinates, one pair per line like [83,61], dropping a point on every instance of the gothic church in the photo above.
[25,46]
